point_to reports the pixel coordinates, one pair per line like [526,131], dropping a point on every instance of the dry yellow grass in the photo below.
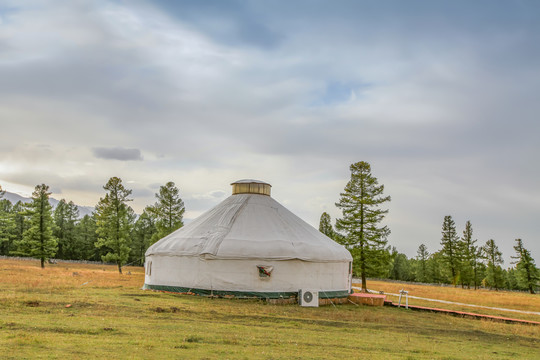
[68,275]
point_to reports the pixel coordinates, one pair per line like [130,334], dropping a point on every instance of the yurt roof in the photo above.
[250,226]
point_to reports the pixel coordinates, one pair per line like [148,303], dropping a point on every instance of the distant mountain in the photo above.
[13,198]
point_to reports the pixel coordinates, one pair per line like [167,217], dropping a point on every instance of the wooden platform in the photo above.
[469,315]
[367,299]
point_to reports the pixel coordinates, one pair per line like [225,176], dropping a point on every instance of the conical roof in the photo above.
[250,226]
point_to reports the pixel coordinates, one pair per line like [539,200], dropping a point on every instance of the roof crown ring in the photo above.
[250,186]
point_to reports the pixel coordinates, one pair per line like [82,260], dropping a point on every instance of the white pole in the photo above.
[407,300]
[401,292]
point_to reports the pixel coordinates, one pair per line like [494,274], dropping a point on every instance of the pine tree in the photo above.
[363,236]
[142,235]
[470,255]
[38,241]
[478,267]
[401,268]
[450,247]
[510,279]
[73,248]
[494,261]
[437,269]
[21,218]
[7,226]
[527,274]
[58,229]
[325,225]
[422,256]
[168,211]
[65,218]
[85,232]
[114,222]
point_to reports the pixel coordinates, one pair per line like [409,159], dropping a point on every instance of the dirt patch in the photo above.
[139,295]
[172,309]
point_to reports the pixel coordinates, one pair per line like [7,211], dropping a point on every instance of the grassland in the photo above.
[483,297]
[90,311]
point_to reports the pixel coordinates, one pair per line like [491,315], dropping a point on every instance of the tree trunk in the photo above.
[363,268]
[119,268]
[454,278]
[42,263]
[364,285]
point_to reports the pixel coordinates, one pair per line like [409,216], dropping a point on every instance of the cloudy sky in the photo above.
[440,97]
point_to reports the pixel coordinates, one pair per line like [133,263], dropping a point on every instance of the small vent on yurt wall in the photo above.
[249,186]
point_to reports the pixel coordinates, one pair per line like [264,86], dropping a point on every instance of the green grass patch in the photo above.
[48,314]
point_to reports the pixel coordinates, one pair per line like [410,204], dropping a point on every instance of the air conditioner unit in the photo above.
[308,298]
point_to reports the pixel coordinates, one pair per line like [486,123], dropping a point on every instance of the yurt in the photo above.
[249,245]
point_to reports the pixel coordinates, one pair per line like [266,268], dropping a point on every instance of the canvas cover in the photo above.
[242,278]
[250,226]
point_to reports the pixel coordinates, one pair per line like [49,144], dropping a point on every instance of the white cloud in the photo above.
[117,153]
[445,114]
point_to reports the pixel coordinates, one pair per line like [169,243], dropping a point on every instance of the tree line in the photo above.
[112,233]
[459,261]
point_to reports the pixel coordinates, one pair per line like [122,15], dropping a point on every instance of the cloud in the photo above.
[440,98]
[117,153]
[232,23]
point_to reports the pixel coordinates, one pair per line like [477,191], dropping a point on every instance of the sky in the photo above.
[440,97]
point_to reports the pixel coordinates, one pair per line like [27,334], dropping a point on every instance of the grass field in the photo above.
[497,299]
[91,311]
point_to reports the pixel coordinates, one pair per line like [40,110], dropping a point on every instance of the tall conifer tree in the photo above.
[494,260]
[142,234]
[38,240]
[85,232]
[58,229]
[168,210]
[422,255]
[20,217]
[7,226]
[527,273]
[65,218]
[325,225]
[450,248]
[437,269]
[470,254]
[360,203]
[114,222]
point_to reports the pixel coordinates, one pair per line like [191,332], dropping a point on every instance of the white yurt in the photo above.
[249,245]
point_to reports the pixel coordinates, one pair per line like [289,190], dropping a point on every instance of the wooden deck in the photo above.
[367,299]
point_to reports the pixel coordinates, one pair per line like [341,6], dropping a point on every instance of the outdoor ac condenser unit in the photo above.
[308,298]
